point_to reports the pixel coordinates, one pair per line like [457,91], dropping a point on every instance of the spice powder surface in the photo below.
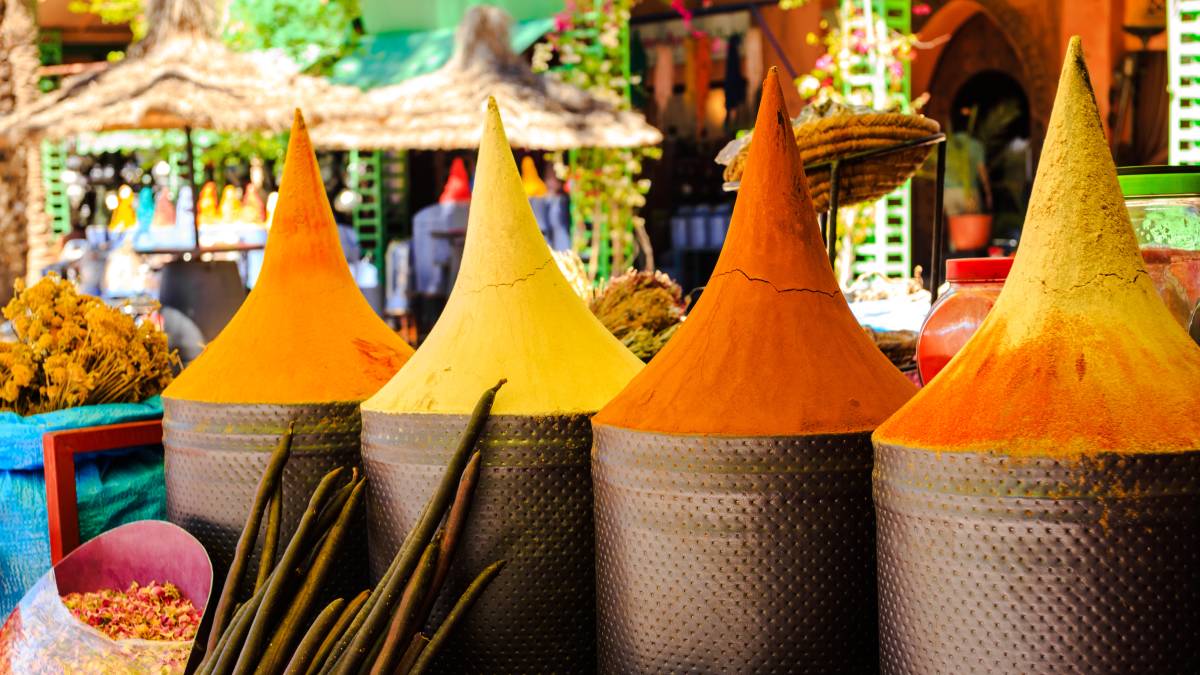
[1079,355]
[511,315]
[771,348]
[305,333]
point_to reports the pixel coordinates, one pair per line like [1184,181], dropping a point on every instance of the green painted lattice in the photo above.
[366,178]
[1183,64]
[58,205]
[888,247]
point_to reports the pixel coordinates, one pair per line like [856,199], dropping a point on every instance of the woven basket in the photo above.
[831,138]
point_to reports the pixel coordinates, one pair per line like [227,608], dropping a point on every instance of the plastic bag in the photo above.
[42,636]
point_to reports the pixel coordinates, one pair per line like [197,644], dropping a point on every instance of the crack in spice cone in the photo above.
[735,531]
[1039,502]
[305,347]
[511,315]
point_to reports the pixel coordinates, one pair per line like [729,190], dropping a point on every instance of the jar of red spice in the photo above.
[975,283]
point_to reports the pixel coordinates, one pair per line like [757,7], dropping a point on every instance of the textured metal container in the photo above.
[994,564]
[216,453]
[734,555]
[532,507]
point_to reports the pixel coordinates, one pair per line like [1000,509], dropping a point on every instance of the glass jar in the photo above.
[1164,206]
[974,285]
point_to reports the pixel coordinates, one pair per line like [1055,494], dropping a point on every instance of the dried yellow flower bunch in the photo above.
[75,350]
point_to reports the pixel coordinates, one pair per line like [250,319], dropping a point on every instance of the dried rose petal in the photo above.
[150,612]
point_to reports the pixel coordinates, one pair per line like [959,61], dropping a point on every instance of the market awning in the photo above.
[380,16]
[392,57]
[443,110]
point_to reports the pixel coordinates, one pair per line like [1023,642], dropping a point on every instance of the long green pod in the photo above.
[210,656]
[334,507]
[405,619]
[456,520]
[289,564]
[344,639]
[468,598]
[266,561]
[418,644]
[286,634]
[245,544]
[331,636]
[225,660]
[416,541]
[365,667]
[311,642]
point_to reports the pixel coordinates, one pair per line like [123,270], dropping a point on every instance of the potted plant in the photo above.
[968,194]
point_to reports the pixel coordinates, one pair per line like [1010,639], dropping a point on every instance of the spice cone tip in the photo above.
[1079,355]
[1077,240]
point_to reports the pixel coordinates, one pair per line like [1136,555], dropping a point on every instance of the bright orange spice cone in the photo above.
[733,507]
[304,348]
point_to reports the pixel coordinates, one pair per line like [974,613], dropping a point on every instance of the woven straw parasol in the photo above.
[444,109]
[179,76]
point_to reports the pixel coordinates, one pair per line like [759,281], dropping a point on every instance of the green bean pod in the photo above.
[336,631]
[418,538]
[405,619]
[286,634]
[245,544]
[289,564]
[311,642]
[468,598]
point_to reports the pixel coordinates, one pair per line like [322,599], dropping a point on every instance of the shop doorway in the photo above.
[993,108]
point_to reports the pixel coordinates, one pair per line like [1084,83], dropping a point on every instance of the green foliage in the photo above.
[313,33]
[114,12]
[591,45]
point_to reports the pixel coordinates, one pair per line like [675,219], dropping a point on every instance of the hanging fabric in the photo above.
[702,45]
[735,82]
[754,67]
[664,78]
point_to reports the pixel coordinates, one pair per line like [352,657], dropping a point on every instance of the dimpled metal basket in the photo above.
[995,564]
[532,508]
[215,455]
[734,555]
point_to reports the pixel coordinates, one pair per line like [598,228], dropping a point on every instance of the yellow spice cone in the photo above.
[305,334]
[511,314]
[1079,355]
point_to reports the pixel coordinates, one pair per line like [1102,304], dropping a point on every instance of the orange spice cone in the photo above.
[511,315]
[304,348]
[1038,500]
[745,443]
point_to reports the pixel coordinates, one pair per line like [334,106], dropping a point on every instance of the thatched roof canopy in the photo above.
[444,110]
[180,75]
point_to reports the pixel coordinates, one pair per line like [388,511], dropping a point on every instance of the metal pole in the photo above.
[939,225]
[831,227]
[189,151]
[762,23]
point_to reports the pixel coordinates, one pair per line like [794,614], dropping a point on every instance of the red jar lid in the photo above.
[978,269]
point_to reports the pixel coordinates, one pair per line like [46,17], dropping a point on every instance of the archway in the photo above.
[1011,61]
[994,108]
[1024,45]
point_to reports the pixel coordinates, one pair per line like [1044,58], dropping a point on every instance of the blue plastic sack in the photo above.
[112,488]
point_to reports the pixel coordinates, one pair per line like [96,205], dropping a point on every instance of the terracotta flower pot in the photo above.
[969,231]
